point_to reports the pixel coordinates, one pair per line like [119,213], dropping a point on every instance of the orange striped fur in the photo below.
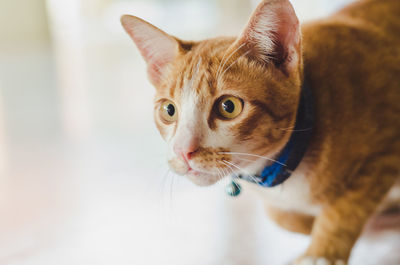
[352,61]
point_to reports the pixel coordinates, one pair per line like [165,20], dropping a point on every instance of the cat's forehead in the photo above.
[194,74]
[206,73]
[197,70]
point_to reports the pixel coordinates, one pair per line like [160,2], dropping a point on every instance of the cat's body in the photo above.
[222,103]
[356,89]
[357,101]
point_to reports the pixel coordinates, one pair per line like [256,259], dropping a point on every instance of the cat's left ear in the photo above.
[157,47]
[273,35]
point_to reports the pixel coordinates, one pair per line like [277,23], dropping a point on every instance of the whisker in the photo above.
[263,157]
[227,166]
[250,175]
[223,61]
[290,127]
[296,130]
[226,60]
[163,181]
[220,63]
[244,54]
[171,188]
[233,171]
[244,159]
[163,192]
[220,174]
[230,168]
[227,173]
[223,169]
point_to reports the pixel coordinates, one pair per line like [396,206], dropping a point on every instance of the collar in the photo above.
[293,152]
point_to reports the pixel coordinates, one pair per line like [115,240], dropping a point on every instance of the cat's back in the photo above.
[379,17]
[352,61]
[384,14]
[352,64]
[363,32]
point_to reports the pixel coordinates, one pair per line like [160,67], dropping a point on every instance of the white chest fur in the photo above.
[292,195]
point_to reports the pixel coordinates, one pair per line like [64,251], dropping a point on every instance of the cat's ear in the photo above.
[273,35]
[157,47]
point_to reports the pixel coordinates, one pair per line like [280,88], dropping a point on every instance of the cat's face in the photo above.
[224,106]
[209,117]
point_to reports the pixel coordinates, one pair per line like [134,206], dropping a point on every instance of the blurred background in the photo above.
[83,178]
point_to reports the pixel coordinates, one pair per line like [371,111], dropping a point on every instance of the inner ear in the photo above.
[158,48]
[273,35]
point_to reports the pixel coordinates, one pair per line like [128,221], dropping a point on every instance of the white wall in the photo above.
[22,21]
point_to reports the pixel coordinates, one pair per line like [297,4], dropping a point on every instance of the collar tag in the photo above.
[233,189]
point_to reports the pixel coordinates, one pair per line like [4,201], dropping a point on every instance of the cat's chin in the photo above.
[201,179]
[197,177]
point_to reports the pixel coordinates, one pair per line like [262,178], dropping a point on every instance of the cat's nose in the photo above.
[186,150]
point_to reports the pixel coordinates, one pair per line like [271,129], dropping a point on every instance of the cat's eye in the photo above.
[168,111]
[229,107]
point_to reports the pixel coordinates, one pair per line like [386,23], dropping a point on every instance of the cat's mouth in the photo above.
[209,165]
[202,178]
[194,172]
[202,170]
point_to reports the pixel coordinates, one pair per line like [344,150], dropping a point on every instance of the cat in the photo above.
[231,105]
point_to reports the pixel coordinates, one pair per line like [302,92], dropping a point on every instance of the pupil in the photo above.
[228,106]
[170,110]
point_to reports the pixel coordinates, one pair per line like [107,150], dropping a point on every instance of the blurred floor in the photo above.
[105,199]
[85,181]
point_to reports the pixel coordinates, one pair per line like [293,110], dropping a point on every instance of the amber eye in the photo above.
[168,111]
[230,107]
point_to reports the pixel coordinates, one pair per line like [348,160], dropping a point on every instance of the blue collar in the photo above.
[293,152]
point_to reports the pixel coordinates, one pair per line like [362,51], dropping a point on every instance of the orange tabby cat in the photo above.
[228,106]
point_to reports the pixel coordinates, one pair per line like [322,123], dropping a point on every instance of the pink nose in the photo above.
[186,150]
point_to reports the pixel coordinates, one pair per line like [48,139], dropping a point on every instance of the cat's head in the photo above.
[221,104]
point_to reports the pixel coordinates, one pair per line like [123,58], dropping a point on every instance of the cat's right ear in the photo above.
[157,47]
